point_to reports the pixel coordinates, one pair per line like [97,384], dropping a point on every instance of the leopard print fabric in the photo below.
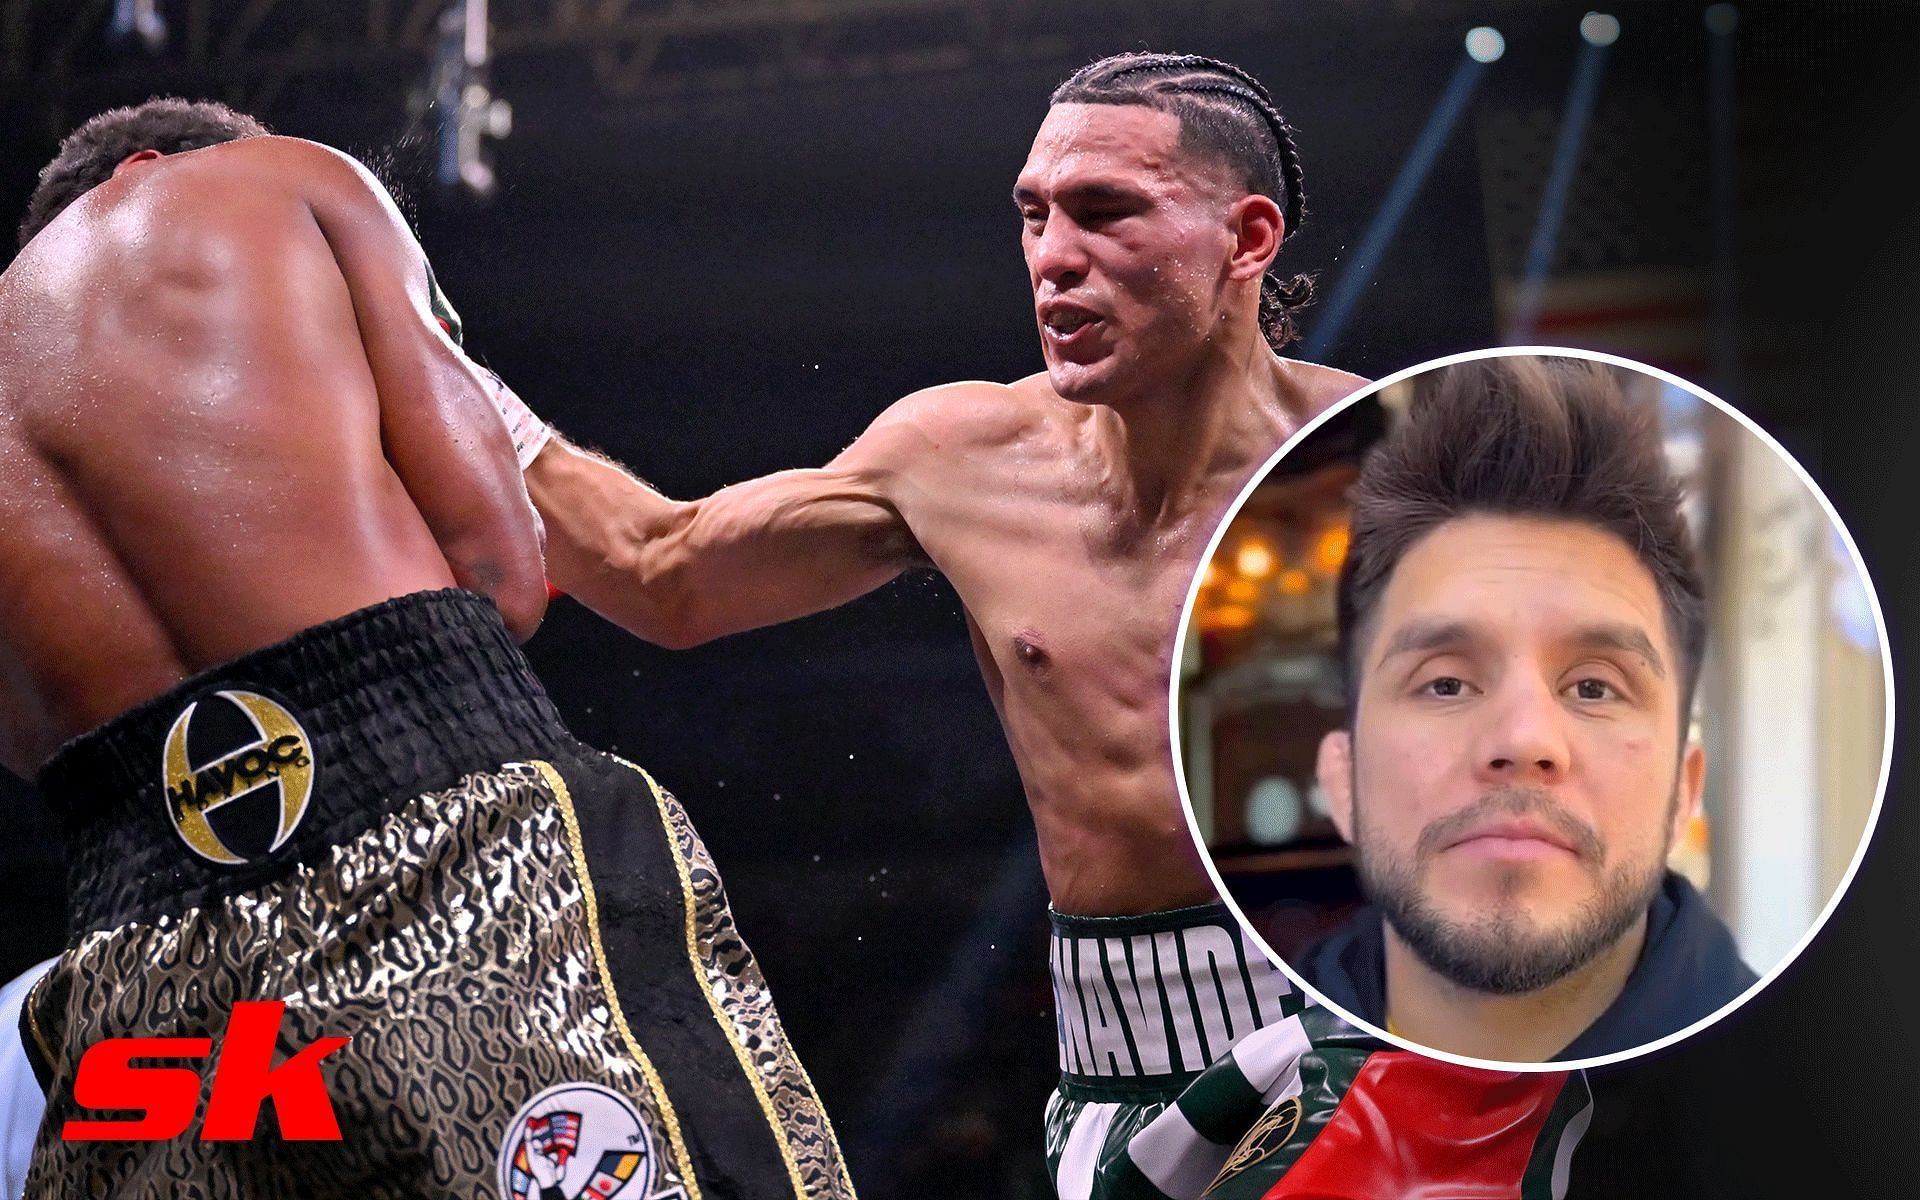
[450,939]
[739,993]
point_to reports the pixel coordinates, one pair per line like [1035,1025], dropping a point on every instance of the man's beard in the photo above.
[1502,952]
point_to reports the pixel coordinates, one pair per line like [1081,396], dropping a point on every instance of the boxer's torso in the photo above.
[1073,598]
[190,450]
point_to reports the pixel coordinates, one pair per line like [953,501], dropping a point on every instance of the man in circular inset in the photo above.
[1522,622]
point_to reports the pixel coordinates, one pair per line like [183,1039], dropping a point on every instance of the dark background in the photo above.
[724,242]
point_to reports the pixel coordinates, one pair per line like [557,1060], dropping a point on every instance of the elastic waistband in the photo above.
[244,770]
[1144,1003]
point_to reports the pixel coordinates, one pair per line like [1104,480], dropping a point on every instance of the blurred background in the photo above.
[717,239]
[1790,708]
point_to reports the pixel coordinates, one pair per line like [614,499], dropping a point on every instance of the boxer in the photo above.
[266,557]
[1070,509]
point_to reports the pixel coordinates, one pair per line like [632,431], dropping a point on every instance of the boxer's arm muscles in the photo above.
[678,573]
[437,422]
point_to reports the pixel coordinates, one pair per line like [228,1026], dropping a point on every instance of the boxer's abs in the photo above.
[192,470]
[1115,844]
[1096,764]
[1074,630]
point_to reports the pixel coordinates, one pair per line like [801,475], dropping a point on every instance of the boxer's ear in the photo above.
[136,158]
[1334,768]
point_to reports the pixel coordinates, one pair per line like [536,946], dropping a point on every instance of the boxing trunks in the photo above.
[1350,1117]
[382,824]
[1293,1103]
[1142,1005]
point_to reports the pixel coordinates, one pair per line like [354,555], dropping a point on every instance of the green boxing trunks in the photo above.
[1295,1104]
[382,824]
[1142,1005]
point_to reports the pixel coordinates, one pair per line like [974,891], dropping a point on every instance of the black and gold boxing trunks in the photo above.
[382,825]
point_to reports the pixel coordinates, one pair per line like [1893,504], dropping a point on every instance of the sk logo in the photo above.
[579,1141]
[238,773]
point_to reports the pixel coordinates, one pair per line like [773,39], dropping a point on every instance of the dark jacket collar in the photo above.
[1688,968]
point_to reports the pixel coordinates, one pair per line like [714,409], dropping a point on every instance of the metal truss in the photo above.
[250,50]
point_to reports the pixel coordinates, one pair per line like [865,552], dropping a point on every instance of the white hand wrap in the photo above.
[530,434]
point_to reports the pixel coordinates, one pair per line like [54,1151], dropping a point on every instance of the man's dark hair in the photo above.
[90,153]
[1225,113]
[1522,436]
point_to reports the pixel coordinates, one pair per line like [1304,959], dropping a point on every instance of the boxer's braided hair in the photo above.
[1223,111]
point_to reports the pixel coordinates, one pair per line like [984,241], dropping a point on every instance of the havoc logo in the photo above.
[1268,1135]
[579,1141]
[224,757]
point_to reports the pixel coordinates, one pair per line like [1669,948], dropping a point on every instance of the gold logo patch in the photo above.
[1268,1134]
[278,752]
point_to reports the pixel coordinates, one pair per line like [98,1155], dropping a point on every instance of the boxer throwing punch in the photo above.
[1070,510]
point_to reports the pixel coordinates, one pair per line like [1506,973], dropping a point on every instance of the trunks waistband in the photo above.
[242,772]
[1143,1003]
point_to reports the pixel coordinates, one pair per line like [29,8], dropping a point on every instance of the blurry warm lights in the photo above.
[1235,581]
[1331,549]
[1255,559]
[1232,616]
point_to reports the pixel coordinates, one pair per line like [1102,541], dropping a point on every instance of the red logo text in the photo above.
[244,1078]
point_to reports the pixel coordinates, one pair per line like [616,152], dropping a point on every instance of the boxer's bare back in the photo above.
[227,414]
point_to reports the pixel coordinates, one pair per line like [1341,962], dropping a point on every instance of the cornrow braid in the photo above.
[1211,98]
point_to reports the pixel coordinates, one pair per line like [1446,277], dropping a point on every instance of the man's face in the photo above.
[1514,778]
[1127,239]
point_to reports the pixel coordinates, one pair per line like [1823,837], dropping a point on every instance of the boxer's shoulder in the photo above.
[1320,386]
[286,163]
[965,416]
[242,190]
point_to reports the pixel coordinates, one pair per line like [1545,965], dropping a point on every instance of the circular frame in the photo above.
[1886,672]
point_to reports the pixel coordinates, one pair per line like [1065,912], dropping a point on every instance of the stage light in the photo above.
[138,21]
[1583,94]
[1600,29]
[1484,44]
[1352,281]
[1722,19]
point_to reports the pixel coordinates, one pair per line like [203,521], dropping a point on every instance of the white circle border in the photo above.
[1206,853]
[517,1128]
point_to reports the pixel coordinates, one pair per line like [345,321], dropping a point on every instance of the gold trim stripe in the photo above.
[713,1002]
[31,1002]
[578,847]
[826,1122]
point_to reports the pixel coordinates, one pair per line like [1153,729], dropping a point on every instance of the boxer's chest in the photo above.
[1079,636]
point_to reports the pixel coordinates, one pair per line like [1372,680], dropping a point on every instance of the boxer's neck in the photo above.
[1176,444]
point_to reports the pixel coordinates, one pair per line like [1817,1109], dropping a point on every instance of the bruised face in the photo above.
[1136,249]
[1514,778]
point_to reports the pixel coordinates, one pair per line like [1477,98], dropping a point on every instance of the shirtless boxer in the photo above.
[264,556]
[1070,510]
